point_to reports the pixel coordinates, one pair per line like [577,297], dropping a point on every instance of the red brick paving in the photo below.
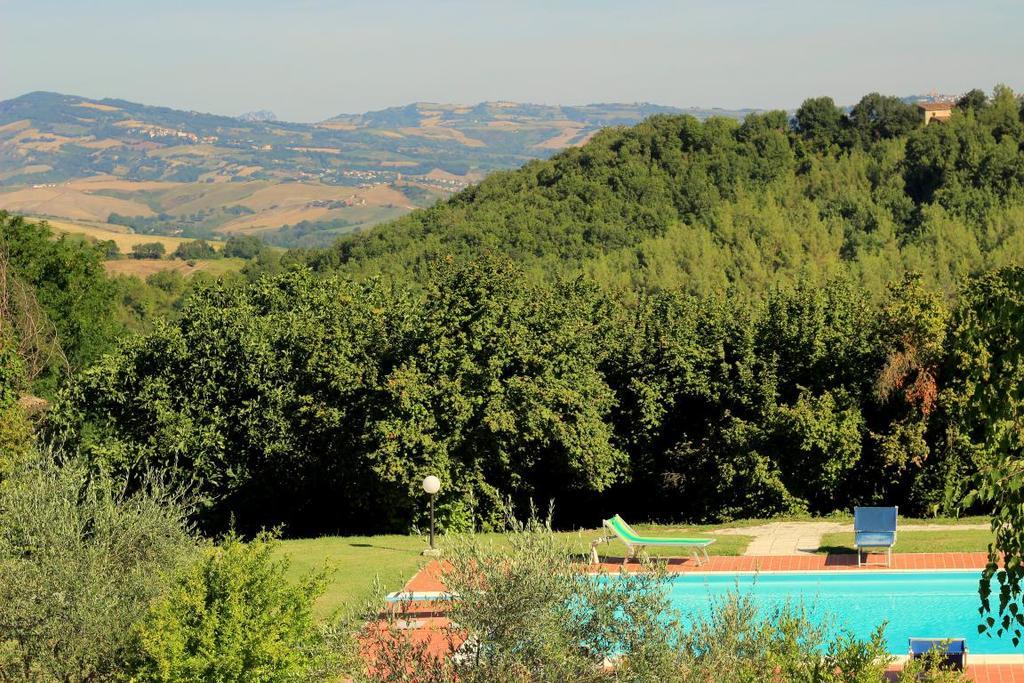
[428,579]
[775,563]
[985,673]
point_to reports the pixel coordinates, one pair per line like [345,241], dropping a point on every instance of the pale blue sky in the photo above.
[310,59]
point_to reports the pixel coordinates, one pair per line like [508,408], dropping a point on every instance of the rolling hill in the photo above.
[674,202]
[168,172]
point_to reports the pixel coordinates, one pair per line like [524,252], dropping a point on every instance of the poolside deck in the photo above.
[428,622]
[805,562]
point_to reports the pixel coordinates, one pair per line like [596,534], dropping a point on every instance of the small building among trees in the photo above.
[935,111]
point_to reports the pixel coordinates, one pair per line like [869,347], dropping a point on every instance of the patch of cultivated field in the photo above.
[437,132]
[192,197]
[67,202]
[25,170]
[439,174]
[174,151]
[97,105]
[284,194]
[109,182]
[383,195]
[15,126]
[143,268]
[337,125]
[562,139]
[83,205]
[33,139]
[120,235]
[272,219]
[105,143]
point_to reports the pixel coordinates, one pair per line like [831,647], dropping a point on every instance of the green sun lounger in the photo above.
[635,542]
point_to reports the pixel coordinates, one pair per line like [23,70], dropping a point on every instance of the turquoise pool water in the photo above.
[921,604]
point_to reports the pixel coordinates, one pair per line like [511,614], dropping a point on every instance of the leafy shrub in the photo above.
[736,642]
[15,437]
[149,250]
[15,432]
[931,668]
[65,291]
[234,616]
[79,562]
[245,246]
[196,249]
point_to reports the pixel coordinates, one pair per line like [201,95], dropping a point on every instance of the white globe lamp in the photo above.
[431,485]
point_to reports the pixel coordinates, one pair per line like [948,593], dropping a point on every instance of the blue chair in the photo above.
[954,650]
[875,527]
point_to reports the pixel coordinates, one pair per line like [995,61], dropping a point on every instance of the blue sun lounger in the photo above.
[875,527]
[954,650]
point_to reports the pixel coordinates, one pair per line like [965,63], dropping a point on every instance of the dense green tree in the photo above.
[110,249]
[149,250]
[244,246]
[15,433]
[195,249]
[973,100]
[1003,115]
[248,394]
[68,289]
[988,348]
[878,117]
[500,393]
[821,122]
[319,385]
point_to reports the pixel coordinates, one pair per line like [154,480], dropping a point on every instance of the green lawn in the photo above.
[952,541]
[353,562]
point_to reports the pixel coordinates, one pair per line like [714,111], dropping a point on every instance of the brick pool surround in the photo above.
[427,618]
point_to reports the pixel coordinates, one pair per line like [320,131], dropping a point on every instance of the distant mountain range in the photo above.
[75,135]
[261,115]
[186,173]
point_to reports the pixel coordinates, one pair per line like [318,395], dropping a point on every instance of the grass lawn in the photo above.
[354,562]
[951,541]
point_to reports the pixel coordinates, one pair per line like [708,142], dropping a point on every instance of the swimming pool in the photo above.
[915,603]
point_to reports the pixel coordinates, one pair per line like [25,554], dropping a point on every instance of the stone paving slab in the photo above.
[799,538]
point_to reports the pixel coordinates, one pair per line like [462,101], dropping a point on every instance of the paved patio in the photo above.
[797,538]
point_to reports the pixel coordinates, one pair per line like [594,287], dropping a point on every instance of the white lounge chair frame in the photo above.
[636,543]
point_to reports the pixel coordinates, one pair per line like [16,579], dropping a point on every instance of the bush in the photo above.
[15,431]
[15,437]
[930,669]
[246,246]
[235,616]
[149,250]
[79,562]
[737,642]
[196,249]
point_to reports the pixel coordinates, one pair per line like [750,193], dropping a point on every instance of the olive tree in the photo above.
[80,560]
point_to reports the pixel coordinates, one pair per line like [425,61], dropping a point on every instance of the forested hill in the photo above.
[705,205]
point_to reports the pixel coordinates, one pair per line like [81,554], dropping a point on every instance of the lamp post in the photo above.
[431,485]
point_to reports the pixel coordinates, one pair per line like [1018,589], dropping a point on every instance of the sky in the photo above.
[307,60]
